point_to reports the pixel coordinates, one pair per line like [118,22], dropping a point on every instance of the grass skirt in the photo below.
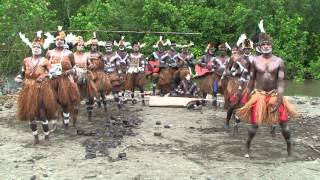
[258,109]
[33,96]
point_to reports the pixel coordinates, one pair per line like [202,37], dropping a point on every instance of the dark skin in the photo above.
[94,62]
[107,58]
[238,73]
[161,56]
[122,53]
[206,58]
[80,61]
[267,73]
[136,53]
[223,58]
[35,68]
[185,58]
[93,56]
[67,67]
[58,52]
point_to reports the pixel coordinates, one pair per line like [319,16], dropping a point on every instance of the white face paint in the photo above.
[36,50]
[60,42]
[108,49]
[258,49]
[94,47]
[121,48]
[266,48]
[135,48]
[247,51]
[80,47]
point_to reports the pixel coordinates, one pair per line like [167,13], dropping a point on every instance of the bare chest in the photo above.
[58,57]
[79,58]
[267,66]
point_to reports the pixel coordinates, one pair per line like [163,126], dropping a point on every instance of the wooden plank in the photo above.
[156,101]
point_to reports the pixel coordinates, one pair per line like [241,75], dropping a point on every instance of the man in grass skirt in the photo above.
[267,106]
[62,82]
[36,100]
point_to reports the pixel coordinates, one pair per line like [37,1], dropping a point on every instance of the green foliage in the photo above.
[21,16]
[294,25]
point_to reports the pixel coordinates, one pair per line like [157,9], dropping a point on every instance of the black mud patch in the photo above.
[108,131]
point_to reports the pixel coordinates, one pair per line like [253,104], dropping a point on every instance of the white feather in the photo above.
[39,34]
[168,42]
[101,43]
[115,43]
[228,46]
[127,44]
[25,40]
[49,40]
[94,35]
[122,37]
[142,45]
[160,38]
[261,26]
[241,39]
[71,38]
[60,28]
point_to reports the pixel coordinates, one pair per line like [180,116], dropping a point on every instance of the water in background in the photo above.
[306,88]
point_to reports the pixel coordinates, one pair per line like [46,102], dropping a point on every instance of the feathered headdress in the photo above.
[25,39]
[108,43]
[60,34]
[228,46]
[123,43]
[93,40]
[71,39]
[244,42]
[241,39]
[263,36]
[162,43]
[38,40]
[261,27]
[137,43]
[210,46]
[49,40]
[186,45]
[224,46]
[78,40]
[247,43]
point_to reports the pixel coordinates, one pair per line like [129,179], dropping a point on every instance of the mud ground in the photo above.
[123,145]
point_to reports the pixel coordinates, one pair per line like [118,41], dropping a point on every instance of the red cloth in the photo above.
[244,98]
[283,115]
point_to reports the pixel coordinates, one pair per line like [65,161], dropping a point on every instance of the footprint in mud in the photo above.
[211,130]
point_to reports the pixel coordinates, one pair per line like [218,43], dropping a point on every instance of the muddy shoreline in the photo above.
[189,145]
